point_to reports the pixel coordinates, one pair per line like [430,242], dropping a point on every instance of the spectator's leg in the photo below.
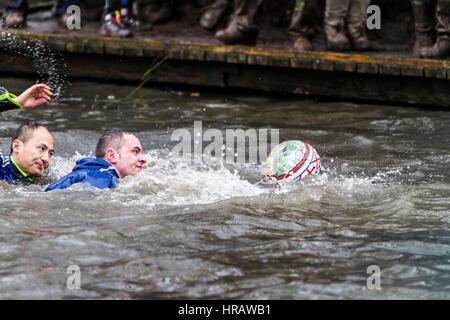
[112,25]
[424,21]
[128,18]
[215,12]
[165,10]
[111,6]
[356,24]
[336,14]
[15,14]
[246,14]
[302,25]
[442,47]
[242,28]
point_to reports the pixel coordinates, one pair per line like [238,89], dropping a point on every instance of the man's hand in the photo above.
[35,96]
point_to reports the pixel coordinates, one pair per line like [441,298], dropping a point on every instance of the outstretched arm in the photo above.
[30,98]
[35,96]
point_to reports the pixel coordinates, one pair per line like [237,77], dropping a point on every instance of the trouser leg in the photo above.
[442,47]
[16,12]
[443,19]
[302,26]
[304,18]
[356,24]
[215,12]
[357,18]
[111,6]
[336,13]
[424,23]
[13,4]
[246,14]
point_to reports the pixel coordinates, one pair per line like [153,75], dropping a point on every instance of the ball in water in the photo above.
[292,160]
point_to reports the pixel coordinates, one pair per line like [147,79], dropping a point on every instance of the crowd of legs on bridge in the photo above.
[237,22]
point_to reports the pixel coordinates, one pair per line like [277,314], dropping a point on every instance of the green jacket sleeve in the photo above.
[7,101]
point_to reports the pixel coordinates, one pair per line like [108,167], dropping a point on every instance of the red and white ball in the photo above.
[292,160]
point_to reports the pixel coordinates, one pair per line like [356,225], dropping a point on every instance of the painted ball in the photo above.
[292,160]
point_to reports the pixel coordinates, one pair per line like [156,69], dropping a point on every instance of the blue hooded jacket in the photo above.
[98,173]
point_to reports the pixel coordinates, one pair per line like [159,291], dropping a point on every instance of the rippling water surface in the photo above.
[190,230]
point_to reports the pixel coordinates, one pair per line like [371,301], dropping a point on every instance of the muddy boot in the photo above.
[440,50]
[303,22]
[303,44]
[334,22]
[215,12]
[337,39]
[423,41]
[424,13]
[234,35]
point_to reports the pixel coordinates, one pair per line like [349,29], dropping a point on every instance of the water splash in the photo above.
[48,64]
[171,181]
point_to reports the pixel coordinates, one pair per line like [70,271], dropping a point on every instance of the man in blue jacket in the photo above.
[31,154]
[118,154]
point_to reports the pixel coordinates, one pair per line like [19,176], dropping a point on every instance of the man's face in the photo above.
[35,155]
[131,158]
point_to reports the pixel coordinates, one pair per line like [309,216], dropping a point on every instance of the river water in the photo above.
[184,229]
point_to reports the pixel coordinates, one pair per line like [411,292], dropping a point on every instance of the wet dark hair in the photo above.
[110,139]
[25,132]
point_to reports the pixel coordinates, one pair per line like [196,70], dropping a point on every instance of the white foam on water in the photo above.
[169,181]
